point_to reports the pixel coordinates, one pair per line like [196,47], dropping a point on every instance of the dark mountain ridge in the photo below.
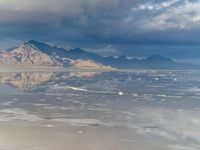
[63,56]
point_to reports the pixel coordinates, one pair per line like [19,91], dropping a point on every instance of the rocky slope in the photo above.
[38,54]
[27,55]
[30,55]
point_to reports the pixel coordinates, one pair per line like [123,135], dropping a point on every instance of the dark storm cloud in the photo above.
[106,22]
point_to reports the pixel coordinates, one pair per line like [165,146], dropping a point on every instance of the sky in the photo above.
[136,28]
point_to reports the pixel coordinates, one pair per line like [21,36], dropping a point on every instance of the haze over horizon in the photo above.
[135,28]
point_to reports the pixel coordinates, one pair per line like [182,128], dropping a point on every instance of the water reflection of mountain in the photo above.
[25,80]
[28,80]
[106,81]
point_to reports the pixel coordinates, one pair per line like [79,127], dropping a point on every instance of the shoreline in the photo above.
[50,69]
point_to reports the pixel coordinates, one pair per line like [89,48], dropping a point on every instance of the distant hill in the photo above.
[35,53]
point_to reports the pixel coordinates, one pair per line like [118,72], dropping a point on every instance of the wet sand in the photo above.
[45,136]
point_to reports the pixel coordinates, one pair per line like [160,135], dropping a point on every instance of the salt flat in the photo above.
[84,110]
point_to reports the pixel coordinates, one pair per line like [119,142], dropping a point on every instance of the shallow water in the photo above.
[130,110]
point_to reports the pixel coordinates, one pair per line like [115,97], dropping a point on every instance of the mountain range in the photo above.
[38,54]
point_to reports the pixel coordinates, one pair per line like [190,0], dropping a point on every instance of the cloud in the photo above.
[173,14]
[84,17]
[157,6]
[94,19]
[111,22]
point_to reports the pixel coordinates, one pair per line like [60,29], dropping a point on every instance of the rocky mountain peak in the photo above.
[39,54]
[28,55]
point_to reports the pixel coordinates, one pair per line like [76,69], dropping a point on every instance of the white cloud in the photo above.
[96,20]
[169,15]
[156,6]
